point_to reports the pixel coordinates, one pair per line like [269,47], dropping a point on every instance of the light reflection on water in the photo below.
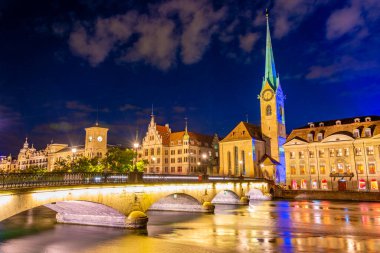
[286,226]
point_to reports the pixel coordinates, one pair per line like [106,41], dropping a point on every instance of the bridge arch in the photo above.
[177,202]
[226,197]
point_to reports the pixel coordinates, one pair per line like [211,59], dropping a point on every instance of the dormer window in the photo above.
[338,123]
[311,125]
[320,136]
[357,120]
[310,137]
[321,124]
[367,132]
[367,119]
[356,133]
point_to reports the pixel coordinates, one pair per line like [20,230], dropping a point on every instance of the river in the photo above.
[270,226]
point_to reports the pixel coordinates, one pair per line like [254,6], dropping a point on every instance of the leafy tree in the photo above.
[35,169]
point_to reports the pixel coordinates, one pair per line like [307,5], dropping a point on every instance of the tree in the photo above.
[80,164]
[35,169]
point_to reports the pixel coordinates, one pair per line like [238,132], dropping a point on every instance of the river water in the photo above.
[270,226]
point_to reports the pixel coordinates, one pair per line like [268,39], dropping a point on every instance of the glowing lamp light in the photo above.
[240,162]
[261,165]
[74,150]
[136,145]
[198,163]
[204,156]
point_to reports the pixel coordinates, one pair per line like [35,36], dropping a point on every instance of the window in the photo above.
[358,151]
[179,159]
[321,124]
[321,153]
[360,168]
[338,122]
[371,168]
[312,169]
[229,162]
[166,160]
[158,151]
[370,150]
[166,152]
[172,152]
[302,169]
[340,168]
[357,120]
[166,169]
[367,132]
[179,169]
[310,137]
[157,169]
[268,110]
[185,159]
[151,170]
[301,155]
[347,152]
[332,152]
[320,136]
[185,151]
[311,154]
[322,169]
[292,170]
[152,151]
[292,155]
[367,119]
[172,160]
[356,133]
[348,168]
[158,160]
[172,169]
[179,151]
[146,152]
[339,152]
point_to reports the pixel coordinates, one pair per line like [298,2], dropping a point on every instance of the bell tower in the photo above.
[272,111]
[96,141]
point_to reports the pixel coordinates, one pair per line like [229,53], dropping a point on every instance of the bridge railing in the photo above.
[28,180]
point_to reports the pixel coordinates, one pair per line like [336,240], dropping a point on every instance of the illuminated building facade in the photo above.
[181,152]
[257,151]
[335,155]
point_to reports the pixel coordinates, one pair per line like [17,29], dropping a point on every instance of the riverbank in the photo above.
[328,195]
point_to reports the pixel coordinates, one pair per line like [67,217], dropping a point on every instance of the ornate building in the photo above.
[8,164]
[95,146]
[335,154]
[30,157]
[258,151]
[181,152]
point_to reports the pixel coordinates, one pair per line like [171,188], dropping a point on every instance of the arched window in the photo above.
[269,110]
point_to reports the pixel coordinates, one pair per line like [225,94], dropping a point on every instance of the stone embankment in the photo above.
[328,195]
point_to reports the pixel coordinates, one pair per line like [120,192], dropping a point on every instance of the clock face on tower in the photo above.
[267,95]
[100,138]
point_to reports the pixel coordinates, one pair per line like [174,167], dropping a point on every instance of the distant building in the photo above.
[257,151]
[335,154]
[8,164]
[30,157]
[95,146]
[181,152]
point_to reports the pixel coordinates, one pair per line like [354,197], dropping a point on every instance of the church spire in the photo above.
[270,68]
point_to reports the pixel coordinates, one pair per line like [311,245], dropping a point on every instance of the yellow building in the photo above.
[30,157]
[255,151]
[8,164]
[180,152]
[335,155]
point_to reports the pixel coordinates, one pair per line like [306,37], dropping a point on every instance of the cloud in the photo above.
[352,19]
[78,106]
[290,13]
[345,63]
[129,107]
[170,32]
[248,41]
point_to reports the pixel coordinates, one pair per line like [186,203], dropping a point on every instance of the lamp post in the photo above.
[135,146]
[204,157]
[198,164]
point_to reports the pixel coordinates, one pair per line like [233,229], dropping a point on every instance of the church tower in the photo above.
[96,141]
[272,111]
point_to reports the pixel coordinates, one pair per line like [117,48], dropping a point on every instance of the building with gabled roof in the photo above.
[257,151]
[181,152]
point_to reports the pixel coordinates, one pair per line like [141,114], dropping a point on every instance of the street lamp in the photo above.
[240,167]
[135,146]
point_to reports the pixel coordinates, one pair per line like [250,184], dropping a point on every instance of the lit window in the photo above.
[370,150]
[301,155]
[356,133]
[346,151]
[292,170]
[332,152]
[312,169]
[320,137]
[292,155]
[339,152]
[360,168]
[358,151]
[371,168]
[321,153]
[322,169]
[311,154]
[302,169]
[340,168]
[310,137]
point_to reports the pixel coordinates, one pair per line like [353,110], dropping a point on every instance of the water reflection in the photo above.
[279,226]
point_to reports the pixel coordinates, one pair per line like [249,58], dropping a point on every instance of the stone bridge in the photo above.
[124,205]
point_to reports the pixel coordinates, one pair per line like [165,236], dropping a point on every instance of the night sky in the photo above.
[62,61]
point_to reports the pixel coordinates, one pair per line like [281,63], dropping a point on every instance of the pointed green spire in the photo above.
[270,68]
